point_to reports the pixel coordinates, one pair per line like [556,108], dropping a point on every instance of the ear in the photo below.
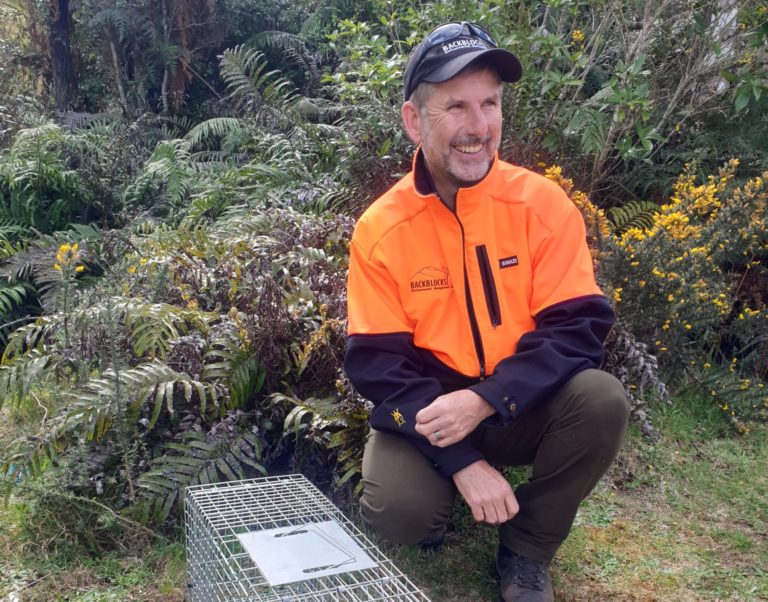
[412,121]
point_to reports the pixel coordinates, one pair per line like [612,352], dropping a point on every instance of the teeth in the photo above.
[470,149]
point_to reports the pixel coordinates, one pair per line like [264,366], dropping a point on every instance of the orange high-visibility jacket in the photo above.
[498,296]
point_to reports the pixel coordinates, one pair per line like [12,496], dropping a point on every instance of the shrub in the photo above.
[165,365]
[691,285]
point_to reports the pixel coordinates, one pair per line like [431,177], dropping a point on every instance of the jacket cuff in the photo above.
[505,403]
[453,458]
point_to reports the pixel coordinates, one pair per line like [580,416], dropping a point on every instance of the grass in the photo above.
[683,519]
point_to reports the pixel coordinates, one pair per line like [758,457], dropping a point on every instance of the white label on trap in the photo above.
[301,552]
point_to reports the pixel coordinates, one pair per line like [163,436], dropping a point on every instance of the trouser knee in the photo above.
[405,499]
[601,407]
[403,519]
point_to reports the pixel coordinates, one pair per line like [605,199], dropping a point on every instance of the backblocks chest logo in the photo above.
[431,278]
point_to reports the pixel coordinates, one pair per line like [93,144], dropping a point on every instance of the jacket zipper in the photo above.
[489,286]
[470,307]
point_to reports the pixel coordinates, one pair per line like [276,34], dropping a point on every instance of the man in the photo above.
[476,328]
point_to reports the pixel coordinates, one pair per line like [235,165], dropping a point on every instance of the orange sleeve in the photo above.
[373,297]
[562,264]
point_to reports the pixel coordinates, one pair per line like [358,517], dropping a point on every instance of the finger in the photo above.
[441,440]
[477,512]
[490,515]
[427,414]
[512,506]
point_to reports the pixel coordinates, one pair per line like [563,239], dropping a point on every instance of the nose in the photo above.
[477,121]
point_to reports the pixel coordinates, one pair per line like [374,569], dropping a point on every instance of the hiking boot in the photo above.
[522,579]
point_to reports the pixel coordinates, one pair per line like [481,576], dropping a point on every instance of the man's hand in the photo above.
[487,493]
[450,418]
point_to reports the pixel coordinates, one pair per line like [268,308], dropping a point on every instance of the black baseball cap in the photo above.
[449,48]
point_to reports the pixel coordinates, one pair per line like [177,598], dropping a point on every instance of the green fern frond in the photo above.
[634,214]
[293,51]
[11,296]
[590,126]
[21,375]
[198,459]
[253,88]
[93,407]
[216,128]
[155,325]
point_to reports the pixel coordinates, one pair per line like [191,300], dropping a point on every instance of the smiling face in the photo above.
[459,129]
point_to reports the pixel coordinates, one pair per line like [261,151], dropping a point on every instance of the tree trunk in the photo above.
[59,30]
[116,67]
[166,66]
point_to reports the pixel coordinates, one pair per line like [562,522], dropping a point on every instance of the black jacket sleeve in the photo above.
[568,339]
[388,370]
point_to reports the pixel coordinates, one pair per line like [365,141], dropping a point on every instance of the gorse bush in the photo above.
[691,285]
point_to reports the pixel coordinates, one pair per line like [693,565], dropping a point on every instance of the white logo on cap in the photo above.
[461,44]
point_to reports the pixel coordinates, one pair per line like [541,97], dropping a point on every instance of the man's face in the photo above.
[459,129]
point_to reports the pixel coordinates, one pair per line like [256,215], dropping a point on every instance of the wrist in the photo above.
[484,409]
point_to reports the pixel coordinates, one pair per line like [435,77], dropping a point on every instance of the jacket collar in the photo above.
[424,186]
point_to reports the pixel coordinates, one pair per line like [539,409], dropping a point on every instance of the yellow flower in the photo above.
[577,36]
[57,267]
[132,269]
[192,304]
[80,268]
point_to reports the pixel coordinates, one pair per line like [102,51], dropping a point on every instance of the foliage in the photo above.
[691,287]
[605,88]
[166,378]
[171,288]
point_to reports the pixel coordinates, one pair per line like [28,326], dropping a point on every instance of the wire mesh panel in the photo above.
[219,518]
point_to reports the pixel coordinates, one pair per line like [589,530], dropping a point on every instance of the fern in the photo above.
[11,296]
[634,214]
[198,459]
[155,325]
[293,51]
[219,127]
[259,92]
[22,375]
[590,126]
[338,423]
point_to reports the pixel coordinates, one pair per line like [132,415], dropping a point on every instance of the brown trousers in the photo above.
[570,440]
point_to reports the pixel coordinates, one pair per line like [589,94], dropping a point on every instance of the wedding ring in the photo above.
[438,436]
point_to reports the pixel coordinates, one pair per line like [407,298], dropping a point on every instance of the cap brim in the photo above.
[506,64]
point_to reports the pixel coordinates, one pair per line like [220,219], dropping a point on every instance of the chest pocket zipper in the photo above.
[489,286]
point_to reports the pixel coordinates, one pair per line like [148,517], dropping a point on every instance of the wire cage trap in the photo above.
[280,539]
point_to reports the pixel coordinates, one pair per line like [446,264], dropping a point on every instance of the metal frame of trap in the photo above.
[220,569]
